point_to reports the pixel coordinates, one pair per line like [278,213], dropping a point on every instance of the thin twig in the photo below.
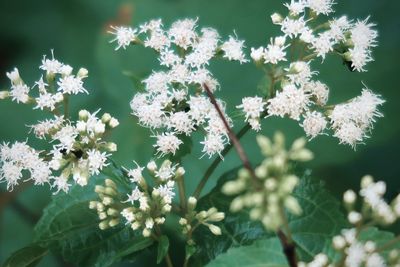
[388,244]
[289,249]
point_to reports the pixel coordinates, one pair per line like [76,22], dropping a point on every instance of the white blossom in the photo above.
[124,36]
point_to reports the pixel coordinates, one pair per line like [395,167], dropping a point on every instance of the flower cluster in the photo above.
[19,157]
[78,149]
[357,250]
[194,219]
[174,103]
[270,191]
[147,207]
[294,91]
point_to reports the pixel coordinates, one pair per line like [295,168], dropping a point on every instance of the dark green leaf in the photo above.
[28,256]
[71,229]
[322,218]
[262,253]
[163,246]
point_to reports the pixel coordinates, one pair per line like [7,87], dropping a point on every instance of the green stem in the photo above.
[388,244]
[182,193]
[66,106]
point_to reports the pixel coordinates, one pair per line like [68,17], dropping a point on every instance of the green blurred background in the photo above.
[76,30]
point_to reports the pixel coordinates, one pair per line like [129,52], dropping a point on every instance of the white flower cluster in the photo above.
[146,206]
[353,120]
[174,103]
[295,92]
[270,191]
[60,82]
[194,219]
[358,251]
[19,157]
[253,107]
[78,150]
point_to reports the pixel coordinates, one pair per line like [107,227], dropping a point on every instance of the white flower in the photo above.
[123,36]
[321,6]
[71,85]
[157,40]
[252,107]
[200,107]
[338,28]
[323,44]
[20,93]
[135,175]
[375,260]
[61,183]
[299,72]
[233,49]
[275,52]
[314,124]
[319,91]
[51,66]
[97,160]
[349,134]
[14,76]
[47,100]
[181,122]
[290,101]
[167,143]
[296,7]
[166,192]
[257,54]
[166,171]
[182,32]
[213,144]
[293,27]
[355,255]
[151,116]
[135,195]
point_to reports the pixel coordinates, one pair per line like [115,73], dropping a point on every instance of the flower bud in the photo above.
[104,225]
[112,147]
[280,40]
[152,166]
[135,226]
[349,197]
[106,117]
[183,221]
[214,229]
[292,205]
[146,232]
[113,222]
[265,144]
[82,73]
[81,126]
[14,76]
[99,189]
[108,201]
[112,212]
[216,217]
[99,128]
[276,18]
[339,242]
[93,205]
[257,54]
[113,122]
[102,215]
[180,172]
[366,181]
[83,114]
[354,217]
[4,94]
[192,202]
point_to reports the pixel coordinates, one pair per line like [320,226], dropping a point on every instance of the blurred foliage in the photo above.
[76,30]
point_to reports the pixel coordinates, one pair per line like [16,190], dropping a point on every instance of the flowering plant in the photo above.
[270,214]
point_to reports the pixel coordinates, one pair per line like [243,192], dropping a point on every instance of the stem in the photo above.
[66,106]
[231,134]
[182,193]
[156,236]
[289,249]
[388,244]
[168,260]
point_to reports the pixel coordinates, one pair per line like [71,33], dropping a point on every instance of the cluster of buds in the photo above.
[374,207]
[374,210]
[269,192]
[194,219]
[146,206]
[109,206]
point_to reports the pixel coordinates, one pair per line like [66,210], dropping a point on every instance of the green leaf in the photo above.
[322,218]
[163,246]
[262,253]
[184,149]
[71,229]
[380,238]
[28,256]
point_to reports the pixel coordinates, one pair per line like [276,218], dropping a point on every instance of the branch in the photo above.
[289,249]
